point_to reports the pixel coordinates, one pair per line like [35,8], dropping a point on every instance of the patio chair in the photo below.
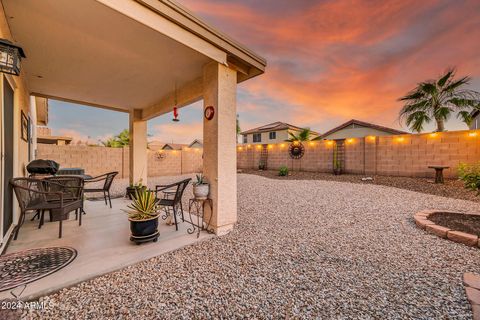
[41,195]
[70,186]
[108,180]
[174,203]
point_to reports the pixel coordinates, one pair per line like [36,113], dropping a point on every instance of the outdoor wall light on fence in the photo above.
[10,57]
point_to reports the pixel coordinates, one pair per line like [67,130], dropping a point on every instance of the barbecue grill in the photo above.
[41,166]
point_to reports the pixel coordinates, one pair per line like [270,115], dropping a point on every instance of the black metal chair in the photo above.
[70,186]
[41,195]
[108,180]
[176,202]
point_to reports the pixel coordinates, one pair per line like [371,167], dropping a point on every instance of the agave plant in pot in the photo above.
[201,188]
[143,216]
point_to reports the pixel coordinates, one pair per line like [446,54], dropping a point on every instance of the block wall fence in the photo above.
[398,155]
[98,160]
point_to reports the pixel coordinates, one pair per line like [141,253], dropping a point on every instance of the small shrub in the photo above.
[283,171]
[470,175]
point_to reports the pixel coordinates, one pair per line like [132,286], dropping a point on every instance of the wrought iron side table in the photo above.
[196,207]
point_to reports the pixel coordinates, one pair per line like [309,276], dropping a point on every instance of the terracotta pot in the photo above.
[201,190]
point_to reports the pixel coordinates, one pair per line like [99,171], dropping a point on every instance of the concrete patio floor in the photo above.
[102,243]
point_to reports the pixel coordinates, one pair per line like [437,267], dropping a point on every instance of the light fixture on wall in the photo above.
[175,108]
[10,57]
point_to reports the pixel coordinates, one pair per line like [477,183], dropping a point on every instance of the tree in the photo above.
[304,135]
[438,100]
[238,125]
[120,140]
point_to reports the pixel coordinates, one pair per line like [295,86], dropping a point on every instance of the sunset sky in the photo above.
[328,62]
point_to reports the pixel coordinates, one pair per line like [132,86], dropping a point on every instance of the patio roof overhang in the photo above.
[121,55]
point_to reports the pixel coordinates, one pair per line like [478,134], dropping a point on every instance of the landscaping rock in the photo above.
[301,249]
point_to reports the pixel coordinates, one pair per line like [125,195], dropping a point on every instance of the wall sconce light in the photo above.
[472,134]
[400,139]
[329,142]
[351,140]
[10,57]
[270,146]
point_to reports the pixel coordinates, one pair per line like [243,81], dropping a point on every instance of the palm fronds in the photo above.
[438,100]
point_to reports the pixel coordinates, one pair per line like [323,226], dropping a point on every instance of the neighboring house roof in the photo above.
[274,127]
[173,146]
[363,124]
[156,145]
[196,141]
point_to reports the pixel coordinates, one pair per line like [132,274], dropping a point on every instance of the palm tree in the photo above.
[304,135]
[120,140]
[438,100]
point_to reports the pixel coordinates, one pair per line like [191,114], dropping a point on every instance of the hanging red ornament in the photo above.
[175,115]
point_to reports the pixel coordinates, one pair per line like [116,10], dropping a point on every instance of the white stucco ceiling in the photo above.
[93,54]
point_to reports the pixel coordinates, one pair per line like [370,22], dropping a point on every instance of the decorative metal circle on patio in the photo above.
[20,268]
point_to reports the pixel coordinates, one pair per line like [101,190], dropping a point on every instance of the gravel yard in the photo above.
[312,248]
[452,188]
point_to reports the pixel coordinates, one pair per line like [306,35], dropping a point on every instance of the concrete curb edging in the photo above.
[471,281]
[421,220]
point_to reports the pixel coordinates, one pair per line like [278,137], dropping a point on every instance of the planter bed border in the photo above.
[422,221]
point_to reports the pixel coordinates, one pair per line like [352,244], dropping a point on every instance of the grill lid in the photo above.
[41,166]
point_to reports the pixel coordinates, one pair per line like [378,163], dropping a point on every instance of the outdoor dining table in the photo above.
[438,173]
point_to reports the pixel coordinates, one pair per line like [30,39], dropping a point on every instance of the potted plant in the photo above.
[134,188]
[143,216]
[337,167]
[201,188]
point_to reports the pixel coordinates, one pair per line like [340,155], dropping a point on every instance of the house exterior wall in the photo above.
[396,155]
[282,135]
[21,103]
[475,122]
[356,132]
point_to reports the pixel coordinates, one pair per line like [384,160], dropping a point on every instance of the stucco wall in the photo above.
[98,160]
[399,155]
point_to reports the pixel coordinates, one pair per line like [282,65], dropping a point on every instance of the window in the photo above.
[257,137]
[272,135]
[244,138]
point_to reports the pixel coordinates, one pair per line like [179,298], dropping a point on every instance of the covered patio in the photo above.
[102,244]
[144,58]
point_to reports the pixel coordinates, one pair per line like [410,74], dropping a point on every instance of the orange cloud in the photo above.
[337,60]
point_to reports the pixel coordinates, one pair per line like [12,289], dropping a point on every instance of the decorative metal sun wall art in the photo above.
[296,150]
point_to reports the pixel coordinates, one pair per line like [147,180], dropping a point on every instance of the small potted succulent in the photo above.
[201,188]
[133,188]
[143,216]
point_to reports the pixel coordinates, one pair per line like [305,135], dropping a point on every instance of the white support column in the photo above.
[219,135]
[138,147]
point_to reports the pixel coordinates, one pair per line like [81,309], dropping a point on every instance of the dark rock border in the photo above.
[421,220]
